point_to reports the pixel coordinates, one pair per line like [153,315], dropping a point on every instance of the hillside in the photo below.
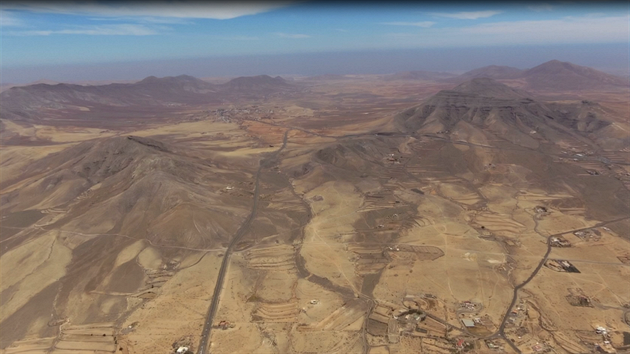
[496,72]
[304,220]
[483,109]
[486,87]
[117,181]
[28,102]
[101,197]
[557,75]
[551,76]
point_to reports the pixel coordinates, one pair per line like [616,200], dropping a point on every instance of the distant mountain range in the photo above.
[552,75]
[492,72]
[24,102]
[484,109]
[557,75]
[28,102]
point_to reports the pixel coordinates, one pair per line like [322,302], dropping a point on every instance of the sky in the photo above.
[80,40]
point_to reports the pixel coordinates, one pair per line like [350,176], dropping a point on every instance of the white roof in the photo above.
[468,323]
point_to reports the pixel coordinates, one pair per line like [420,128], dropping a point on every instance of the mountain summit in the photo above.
[552,75]
[483,109]
[558,75]
[27,102]
[496,72]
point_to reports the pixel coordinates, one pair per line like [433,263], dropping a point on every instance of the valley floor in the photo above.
[352,236]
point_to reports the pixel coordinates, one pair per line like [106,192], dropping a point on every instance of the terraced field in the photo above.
[279,258]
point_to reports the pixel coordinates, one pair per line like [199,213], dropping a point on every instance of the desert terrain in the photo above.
[417,212]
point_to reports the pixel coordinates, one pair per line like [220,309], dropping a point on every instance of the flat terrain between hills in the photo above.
[339,214]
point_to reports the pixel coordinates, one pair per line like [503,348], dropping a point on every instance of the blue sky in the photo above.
[38,34]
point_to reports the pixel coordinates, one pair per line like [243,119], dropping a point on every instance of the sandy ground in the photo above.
[348,230]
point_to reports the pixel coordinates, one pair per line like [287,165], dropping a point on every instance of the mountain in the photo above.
[6,86]
[496,72]
[558,75]
[98,204]
[486,87]
[134,186]
[553,75]
[129,185]
[584,116]
[483,109]
[419,75]
[27,102]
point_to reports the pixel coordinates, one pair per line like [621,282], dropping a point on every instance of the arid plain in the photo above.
[398,213]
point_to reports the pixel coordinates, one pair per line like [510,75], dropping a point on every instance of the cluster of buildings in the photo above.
[393,321]
[182,346]
[605,346]
[588,235]
[517,315]
[470,306]
[253,112]
[559,241]
[541,210]
[391,158]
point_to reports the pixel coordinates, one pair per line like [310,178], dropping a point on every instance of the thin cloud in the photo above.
[179,9]
[591,14]
[8,19]
[148,20]
[541,7]
[292,35]
[402,35]
[106,30]
[424,24]
[238,38]
[471,15]
[604,29]
[611,29]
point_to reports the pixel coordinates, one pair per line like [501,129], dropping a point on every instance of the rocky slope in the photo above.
[32,102]
[483,107]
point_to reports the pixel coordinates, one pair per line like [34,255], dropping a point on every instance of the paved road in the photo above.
[241,231]
[214,305]
[501,331]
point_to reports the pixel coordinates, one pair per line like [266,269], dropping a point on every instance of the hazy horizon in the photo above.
[453,60]
[412,206]
[113,41]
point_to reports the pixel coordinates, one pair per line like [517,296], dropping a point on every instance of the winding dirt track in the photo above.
[245,226]
[501,331]
[214,305]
